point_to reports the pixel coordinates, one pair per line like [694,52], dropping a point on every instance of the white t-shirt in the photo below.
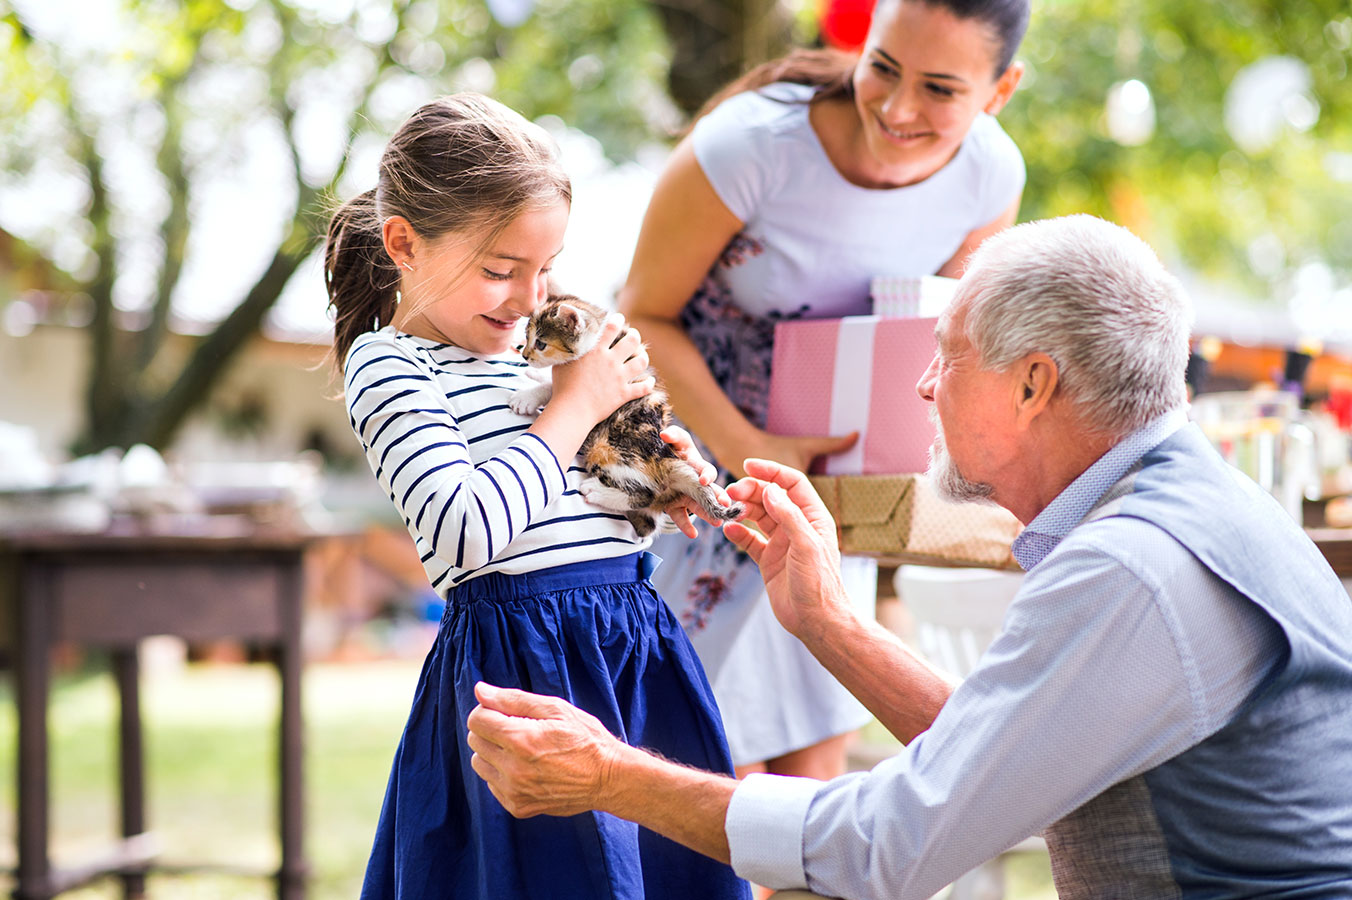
[814,238]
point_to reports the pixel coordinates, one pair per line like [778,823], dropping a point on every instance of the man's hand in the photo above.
[796,548]
[539,755]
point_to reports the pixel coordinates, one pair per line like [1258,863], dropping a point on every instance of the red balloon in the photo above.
[844,23]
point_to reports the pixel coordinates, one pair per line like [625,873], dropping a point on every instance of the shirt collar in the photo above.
[1069,507]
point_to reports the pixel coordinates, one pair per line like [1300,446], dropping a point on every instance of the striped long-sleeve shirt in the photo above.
[476,491]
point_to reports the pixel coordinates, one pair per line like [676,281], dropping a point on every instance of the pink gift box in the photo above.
[835,376]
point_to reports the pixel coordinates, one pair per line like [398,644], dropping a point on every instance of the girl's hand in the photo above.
[602,380]
[681,442]
[794,452]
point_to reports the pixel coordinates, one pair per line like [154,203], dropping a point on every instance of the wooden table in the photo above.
[1336,545]
[110,591]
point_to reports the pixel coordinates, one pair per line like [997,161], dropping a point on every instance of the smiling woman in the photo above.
[925,77]
[799,184]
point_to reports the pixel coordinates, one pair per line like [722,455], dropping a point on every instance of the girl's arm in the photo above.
[684,230]
[958,263]
[464,512]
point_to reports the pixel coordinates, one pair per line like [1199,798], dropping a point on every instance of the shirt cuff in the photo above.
[764,826]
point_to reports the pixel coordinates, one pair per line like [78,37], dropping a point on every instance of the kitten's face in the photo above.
[560,331]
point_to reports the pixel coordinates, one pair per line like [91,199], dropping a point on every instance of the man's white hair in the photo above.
[1098,301]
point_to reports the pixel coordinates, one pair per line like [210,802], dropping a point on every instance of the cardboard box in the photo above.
[835,376]
[902,518]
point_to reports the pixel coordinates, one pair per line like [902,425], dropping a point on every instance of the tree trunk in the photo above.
[714,41]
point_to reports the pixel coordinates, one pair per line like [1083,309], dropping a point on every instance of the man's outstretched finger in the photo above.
[746,540]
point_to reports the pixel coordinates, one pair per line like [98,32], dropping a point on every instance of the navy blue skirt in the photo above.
[597,634]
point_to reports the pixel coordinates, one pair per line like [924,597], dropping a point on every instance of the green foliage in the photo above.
[133,121]
[1190,187]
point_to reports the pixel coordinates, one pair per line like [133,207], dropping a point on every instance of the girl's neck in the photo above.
[419,327]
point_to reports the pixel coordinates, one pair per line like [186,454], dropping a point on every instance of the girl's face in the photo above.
[477,304]
[923,78]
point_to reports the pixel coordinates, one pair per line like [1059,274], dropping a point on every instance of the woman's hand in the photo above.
[794,452]
[602,380]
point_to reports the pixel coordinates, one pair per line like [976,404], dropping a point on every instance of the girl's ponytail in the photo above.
[359,275]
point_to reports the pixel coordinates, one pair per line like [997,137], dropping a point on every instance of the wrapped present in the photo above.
[872,512]
[835,376]
[923,297]
[902,518]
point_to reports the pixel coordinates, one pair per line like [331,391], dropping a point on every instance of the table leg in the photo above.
[32,683]
[291,879]
[127,672]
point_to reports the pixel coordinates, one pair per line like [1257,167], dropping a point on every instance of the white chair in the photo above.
[956,614]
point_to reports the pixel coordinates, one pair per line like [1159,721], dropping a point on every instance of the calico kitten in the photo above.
[630,469]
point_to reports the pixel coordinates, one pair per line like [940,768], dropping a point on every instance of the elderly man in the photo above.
[1170,698]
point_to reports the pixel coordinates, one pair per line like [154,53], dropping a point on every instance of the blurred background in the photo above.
[166,169]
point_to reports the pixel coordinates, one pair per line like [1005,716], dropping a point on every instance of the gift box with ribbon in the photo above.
[835,376]
[926,295]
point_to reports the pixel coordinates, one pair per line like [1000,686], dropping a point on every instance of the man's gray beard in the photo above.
[946,478]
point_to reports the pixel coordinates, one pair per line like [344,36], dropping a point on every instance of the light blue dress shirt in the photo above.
[1119,652]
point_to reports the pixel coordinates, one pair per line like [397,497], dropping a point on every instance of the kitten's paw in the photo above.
[598,494]
[527,401]
[643,521]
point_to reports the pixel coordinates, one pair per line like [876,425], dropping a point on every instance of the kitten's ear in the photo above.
[569,315]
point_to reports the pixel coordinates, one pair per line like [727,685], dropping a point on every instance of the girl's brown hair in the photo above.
[464,164]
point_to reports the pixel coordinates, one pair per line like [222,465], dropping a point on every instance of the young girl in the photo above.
[429,274]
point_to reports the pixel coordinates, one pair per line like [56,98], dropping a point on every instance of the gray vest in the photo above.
[1262,807]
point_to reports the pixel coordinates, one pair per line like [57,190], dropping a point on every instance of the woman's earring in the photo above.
[406,266]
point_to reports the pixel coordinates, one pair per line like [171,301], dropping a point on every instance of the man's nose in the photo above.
[925,386]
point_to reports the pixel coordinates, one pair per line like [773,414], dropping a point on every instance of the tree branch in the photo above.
[105,388]
[174,233]
[161,419]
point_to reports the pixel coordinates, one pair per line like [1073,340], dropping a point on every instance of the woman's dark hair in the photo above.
[831,71]
[464,164]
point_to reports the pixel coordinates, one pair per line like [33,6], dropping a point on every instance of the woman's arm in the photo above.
[958,263]
[684,230]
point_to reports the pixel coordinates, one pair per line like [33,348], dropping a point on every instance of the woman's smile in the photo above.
[905,135]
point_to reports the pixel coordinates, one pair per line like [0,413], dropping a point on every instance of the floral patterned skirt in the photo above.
[774,696]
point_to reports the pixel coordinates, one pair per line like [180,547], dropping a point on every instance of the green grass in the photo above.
[210,743]
[210,736]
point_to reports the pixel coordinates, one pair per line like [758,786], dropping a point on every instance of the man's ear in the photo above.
[1004,88]
[1037,381]
[400,240]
